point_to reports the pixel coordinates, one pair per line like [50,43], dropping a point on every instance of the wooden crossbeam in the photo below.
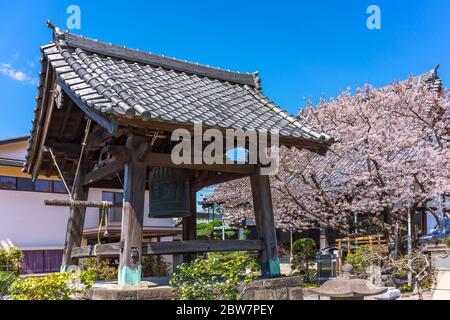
[173,247]
[82,204]
[154,159]
[213,179]
[103,172]
[164,160]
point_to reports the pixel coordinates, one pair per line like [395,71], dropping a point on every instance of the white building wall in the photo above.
[92,214]
[27,222]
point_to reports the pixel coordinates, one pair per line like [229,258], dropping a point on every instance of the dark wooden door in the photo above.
[41,261]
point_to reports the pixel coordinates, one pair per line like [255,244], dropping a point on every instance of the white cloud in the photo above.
[21,76]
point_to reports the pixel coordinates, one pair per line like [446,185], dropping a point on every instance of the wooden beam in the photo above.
[319,147]
[199,246]
[154,159]
[108,124]
[40,121]
[65,119]
[104,249]
[70,149]
[103,172]
[265,225]
[190,225]
[132,214]
[172,247]
[81,204]
[48,106]
[74,230]
[213,179]
[165,160]
[99,135]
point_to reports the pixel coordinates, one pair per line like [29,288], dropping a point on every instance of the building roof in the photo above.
[14,140]
[7,161]
[129,84]
[431,79]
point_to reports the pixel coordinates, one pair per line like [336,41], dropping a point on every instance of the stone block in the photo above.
[295,293]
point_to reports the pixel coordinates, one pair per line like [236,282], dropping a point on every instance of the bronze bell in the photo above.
[169,193]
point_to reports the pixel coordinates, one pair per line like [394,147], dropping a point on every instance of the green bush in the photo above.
[99,269]
[406,288]
[213,278]
[304,251]
[205,229]
[55,286]
[6,280]
[305,248]
[230,234]
[361,258]
[11,260]
[154,266]
[247,233]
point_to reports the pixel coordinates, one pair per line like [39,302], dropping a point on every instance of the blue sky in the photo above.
[302,49]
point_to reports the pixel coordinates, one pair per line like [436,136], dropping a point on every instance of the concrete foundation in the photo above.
[149,289]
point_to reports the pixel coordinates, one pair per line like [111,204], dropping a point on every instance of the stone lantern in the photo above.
[346,287]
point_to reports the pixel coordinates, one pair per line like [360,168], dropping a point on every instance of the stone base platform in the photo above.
[282,288]
[149,289]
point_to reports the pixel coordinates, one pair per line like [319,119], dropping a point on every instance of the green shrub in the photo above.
[230,234]
[361,258]
[213,278]
[247,233]
[55,286]
[11,260]
[6,280]
[304,251]
[99,269]
[406,288]
[205,230]
[154,266]
[305,248]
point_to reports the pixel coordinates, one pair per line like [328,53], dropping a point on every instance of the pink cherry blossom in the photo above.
[392,149]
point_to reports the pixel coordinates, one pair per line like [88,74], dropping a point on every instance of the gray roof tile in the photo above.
[126,82]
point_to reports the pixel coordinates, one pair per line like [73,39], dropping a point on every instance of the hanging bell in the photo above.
[169,193]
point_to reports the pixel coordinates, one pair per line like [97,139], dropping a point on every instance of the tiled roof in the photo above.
[122,82]
[14,140]
[431,79]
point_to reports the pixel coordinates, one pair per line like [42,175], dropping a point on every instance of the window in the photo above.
[8,183]
[115,214]
[43,186]
[24,184]
[58,187]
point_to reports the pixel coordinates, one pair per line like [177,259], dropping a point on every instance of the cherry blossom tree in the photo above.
[391,157]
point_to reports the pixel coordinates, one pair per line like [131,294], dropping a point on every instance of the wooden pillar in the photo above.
[75,224]
[190,225]
[265,225]
[339,256]
[132,214]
